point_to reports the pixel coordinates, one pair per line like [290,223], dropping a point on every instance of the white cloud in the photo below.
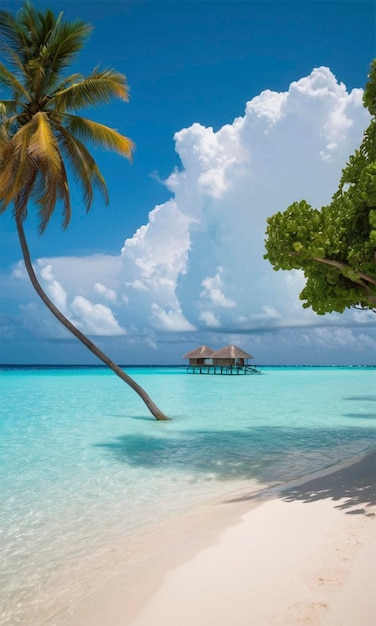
[96,319]
[136,284]
[345,338]
[213,291]
[92,319]
[172,319]
[268,312]
[363,317]
[209,319]
[109,294]
[95,269]
[54,289]
[19,271]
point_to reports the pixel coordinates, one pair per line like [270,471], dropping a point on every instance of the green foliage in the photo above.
[369,97]
[335,246]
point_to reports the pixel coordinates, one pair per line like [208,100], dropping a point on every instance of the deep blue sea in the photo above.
[85,467]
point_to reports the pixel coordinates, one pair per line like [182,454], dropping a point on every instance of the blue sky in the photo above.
[237,109]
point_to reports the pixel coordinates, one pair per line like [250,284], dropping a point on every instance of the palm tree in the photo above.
[42,137]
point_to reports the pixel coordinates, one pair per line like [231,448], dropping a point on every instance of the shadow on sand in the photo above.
[352,486]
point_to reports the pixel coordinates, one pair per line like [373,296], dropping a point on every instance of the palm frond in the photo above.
[10,117]
[13,33]
[21,201]
[9,111]
[7,79]
[7,172]
[16,165]
[13,59]
[84,167]
[66,82]
[8,106]
[67,39]
[100,135]
[46,193]
[98,88]
[45,44]
[49,187]
[43,146]
[64,195]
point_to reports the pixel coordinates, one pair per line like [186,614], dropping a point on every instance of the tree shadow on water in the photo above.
[269,455]
[365,398]
[364,416]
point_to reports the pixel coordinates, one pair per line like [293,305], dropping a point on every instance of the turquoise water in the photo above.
[85,467]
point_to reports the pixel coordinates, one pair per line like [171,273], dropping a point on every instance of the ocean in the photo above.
[87,473]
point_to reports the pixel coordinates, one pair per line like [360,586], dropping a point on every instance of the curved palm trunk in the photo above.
[155,411]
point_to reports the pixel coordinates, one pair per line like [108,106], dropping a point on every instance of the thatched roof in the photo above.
[203,352]
[231,352]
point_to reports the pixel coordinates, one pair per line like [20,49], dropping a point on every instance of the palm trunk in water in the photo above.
[154,410]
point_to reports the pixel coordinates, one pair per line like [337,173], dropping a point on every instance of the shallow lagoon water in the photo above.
[84,466]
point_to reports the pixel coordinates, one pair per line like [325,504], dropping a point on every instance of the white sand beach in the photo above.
[305,556]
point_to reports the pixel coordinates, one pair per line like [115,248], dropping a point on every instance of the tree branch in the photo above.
[341,266]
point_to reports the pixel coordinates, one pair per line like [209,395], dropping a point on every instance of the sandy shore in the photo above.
[306,555]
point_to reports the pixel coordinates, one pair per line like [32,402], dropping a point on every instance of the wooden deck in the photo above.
[222,369]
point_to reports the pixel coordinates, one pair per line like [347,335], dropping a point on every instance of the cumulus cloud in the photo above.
[109,294]
[96,319]
[19,271]
[171,319]
[209,319]
[54,289]
[213,291]
[198,263]
[342,338]
[91,318]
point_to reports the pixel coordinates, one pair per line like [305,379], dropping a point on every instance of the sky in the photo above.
[237,109]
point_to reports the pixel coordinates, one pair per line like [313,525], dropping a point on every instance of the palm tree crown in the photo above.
[42,135]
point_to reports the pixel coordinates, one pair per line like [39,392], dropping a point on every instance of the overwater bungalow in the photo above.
[227,360]
[199,356]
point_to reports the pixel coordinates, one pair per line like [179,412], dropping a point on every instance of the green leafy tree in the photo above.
[42,138]
[335,246]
